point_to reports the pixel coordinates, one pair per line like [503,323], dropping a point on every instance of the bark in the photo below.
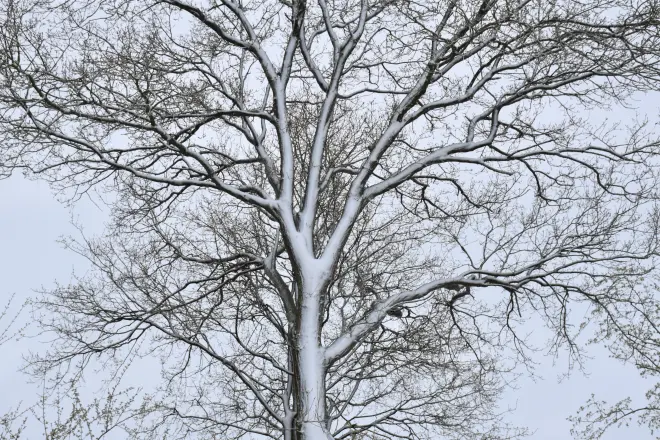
[310,393]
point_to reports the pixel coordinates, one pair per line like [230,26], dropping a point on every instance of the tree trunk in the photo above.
[311,417]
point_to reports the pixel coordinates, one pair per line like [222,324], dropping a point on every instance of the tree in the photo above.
[8,322]
[330,219]
[73,418]
[641,347]
[65,416]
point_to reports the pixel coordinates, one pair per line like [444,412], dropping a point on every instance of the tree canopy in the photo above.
[330,218]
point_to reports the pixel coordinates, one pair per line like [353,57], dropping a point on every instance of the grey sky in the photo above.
[32,220]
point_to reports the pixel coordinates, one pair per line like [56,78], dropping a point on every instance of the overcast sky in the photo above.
[32,220]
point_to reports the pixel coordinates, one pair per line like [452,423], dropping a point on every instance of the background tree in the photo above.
[641,347]
[330,218]
[66,416]
[9,327]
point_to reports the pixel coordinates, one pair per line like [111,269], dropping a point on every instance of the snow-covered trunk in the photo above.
[311,417]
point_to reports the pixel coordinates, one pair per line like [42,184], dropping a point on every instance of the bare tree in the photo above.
[66,416]
[331,217]
[637,343]
[9,325]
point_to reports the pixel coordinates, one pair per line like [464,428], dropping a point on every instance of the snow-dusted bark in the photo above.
[312,416]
